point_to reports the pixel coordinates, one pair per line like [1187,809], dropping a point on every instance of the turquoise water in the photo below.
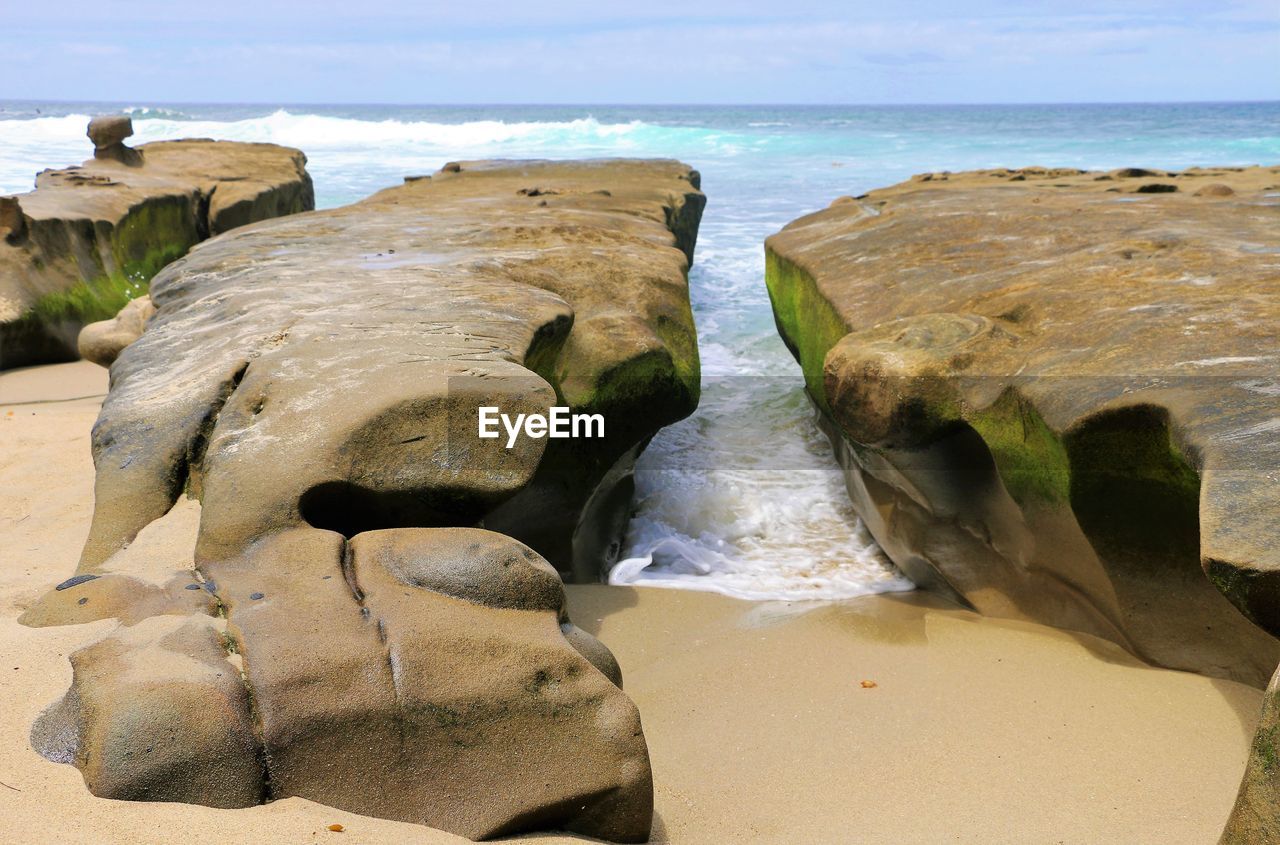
[743,497]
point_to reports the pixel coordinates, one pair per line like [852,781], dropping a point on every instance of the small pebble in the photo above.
[193,586]
[869,684]
[74,581]
[255,596]
[84,600]
[336,828]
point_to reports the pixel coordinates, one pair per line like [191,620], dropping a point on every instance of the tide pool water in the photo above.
[743,497]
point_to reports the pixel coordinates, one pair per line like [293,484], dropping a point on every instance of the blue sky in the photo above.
[648,51]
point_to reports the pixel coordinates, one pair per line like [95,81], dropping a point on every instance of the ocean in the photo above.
[743,497]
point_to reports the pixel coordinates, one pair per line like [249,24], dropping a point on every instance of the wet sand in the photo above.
[759,725]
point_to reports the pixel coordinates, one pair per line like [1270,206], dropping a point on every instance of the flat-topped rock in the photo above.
[320,337]
[89,238]
[1055,394]
[314,381]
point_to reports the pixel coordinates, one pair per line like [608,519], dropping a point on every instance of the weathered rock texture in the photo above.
[1255,820]
[89,238]
[314,382]
[1055,395]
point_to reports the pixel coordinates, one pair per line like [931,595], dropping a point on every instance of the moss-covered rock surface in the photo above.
[90,238]
[1058,394]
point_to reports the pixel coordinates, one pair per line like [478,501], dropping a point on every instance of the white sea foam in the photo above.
[336,143]
[154,111]
[30,145]
[753,534]
[285,127]
[744,498]
[288,127]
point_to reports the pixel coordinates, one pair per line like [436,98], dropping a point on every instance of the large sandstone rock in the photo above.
[314,381]
[1055,395]
[89,238]
[426,675]
[326,369]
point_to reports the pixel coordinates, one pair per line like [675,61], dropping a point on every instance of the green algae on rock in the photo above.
[89,238]
[1256,816]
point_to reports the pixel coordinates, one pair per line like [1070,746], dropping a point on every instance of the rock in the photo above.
[487,299]
[153,576]
[1135,173]
[13,226]
[108,133]
[156,712]
[480,567]
[1215,189]
[1057,403]
[1256,816]
[89,238]
[314,381]
[102,342]
[351,682]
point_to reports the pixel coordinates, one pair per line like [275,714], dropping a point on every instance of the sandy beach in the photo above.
[881,719]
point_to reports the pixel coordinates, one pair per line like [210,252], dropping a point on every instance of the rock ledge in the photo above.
[89,238]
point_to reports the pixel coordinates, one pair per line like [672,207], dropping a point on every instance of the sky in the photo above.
[647,51]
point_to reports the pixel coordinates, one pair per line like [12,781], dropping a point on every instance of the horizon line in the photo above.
[286,103]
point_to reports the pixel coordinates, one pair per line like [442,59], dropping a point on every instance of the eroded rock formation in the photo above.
[108,133]
[1054,395]
[89,238]
[1055,392]
[314,382]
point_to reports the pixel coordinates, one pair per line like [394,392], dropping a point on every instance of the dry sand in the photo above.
[758,723]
